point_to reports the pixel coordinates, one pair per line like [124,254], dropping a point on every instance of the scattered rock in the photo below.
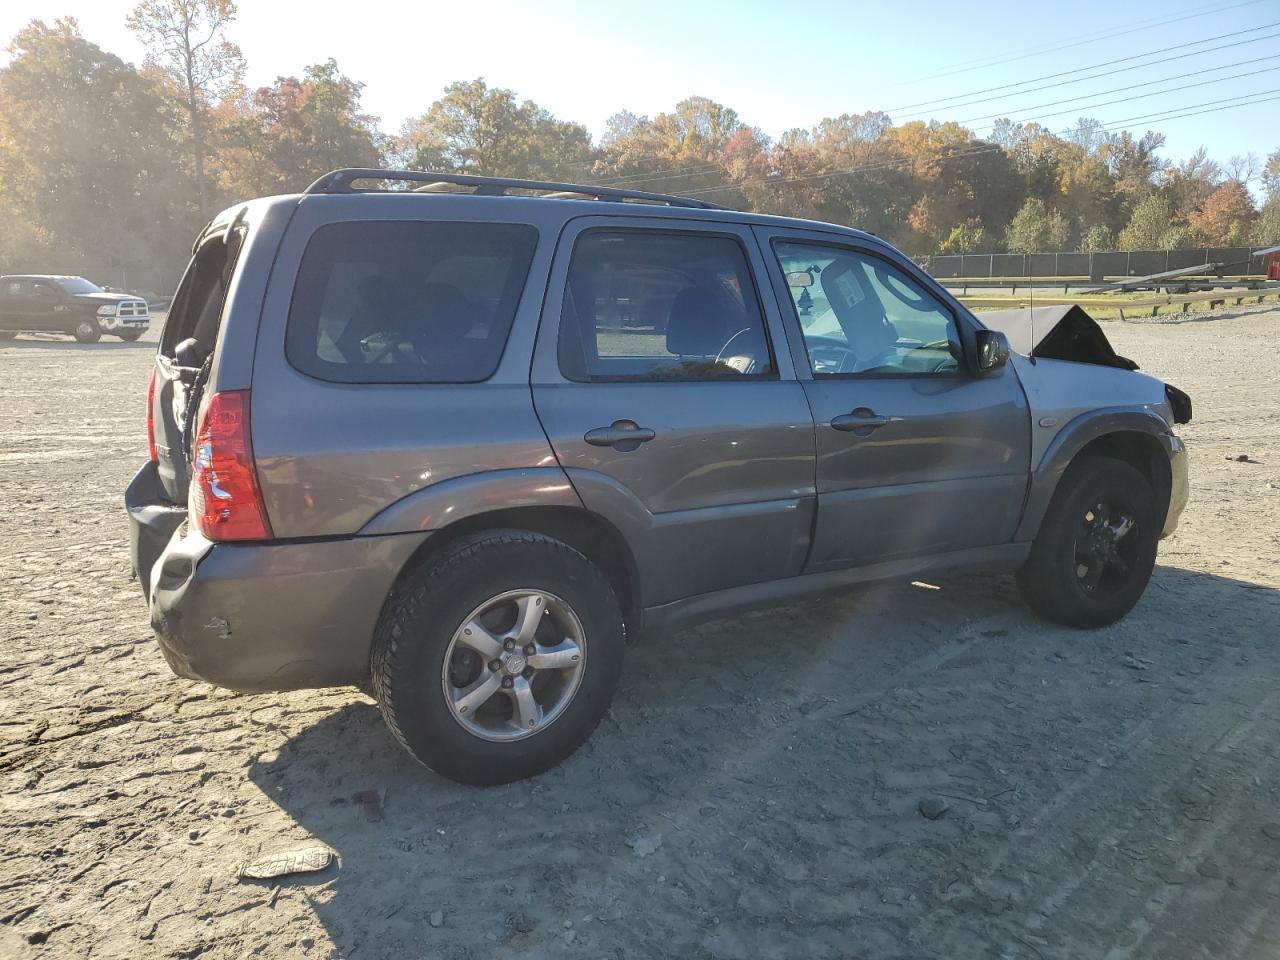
[1271,830]
[1243,458]
[1136,663]
[520,923]
[644,846]
[932,808]
[282,863]
[437,918]
[1209,868]
[190,759]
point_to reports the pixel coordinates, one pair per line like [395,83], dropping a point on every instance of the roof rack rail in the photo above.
[340,181]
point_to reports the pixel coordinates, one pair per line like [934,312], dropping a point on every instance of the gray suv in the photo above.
[459,440]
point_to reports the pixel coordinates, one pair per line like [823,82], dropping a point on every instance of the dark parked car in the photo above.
[459,448]
[71,305]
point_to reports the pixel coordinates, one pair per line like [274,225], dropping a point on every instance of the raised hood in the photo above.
[1056,333]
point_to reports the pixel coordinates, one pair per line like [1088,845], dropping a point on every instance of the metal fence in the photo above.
[1096,267]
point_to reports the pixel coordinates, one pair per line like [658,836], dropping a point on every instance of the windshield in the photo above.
[78,285]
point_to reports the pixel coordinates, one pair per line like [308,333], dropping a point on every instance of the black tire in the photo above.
[431,603]
[87,330]
[130,336]
[1080,573]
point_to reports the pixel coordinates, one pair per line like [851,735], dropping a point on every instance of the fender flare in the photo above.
[1071,439]
[449,501]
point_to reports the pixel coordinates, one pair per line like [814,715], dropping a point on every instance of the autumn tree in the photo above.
[85,142]
[1031,229]
[967,237]
[1226,218]
[1271,175]
[285,135]
[1097,238]
[185,40]
[1266,229]
[1189,184]
[1148,226]
[477,129]
[684,150]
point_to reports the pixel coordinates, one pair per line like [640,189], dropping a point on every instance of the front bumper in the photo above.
[262,616]
[111,323]
[1179,484]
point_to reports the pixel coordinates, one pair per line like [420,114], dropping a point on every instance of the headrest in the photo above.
[700,322]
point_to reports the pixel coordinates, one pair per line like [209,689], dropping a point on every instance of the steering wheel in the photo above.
[391,343]
[820,348]
[723,350]
[945,365]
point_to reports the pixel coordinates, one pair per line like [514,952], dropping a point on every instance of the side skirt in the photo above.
[706,606]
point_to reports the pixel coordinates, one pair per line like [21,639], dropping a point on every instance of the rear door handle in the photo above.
[862,421]
[624,435]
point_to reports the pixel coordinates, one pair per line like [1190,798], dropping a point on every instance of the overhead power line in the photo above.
[1135,86]
[1211,104]
[932,104]
[1143,96]
[969,66]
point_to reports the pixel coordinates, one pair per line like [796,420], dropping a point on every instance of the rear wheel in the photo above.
[1093,556]
[87,331]
[496,660]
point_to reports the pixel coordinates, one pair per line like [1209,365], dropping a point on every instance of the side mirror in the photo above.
[993,350]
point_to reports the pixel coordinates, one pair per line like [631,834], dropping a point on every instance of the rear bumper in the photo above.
[272,616]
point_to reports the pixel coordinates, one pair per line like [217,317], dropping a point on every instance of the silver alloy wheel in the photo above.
[514,665]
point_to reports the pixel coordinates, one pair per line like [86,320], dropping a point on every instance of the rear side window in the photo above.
[390,301]
[196,311]
[650,305]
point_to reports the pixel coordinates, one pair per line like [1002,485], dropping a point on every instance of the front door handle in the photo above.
[862,421]
[624,435]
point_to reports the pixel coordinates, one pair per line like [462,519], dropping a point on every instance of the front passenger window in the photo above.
[650,305]
[862,315]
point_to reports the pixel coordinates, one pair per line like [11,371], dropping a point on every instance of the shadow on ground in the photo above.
[754,791]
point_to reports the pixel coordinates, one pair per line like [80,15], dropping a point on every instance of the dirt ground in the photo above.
[754,791]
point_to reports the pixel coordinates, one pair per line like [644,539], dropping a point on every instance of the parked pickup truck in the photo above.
[461,449]
[71,305]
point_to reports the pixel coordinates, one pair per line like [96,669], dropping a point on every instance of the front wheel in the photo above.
[129,336]
[496,660]
[87,331]
[1096,548]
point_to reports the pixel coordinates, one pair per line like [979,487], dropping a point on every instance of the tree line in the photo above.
[111,168]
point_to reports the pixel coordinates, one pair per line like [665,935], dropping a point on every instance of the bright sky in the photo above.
[778,65]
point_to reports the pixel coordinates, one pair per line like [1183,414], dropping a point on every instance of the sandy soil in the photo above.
[754,791]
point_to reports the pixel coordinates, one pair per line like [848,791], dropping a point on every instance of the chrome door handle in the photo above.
[624,435]
[862,419]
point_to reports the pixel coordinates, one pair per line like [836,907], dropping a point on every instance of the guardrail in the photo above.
[1134,306]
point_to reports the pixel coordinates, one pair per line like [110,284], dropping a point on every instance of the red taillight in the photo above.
[151,417]
[226,501]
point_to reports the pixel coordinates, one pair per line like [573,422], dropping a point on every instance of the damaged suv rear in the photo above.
[459,440]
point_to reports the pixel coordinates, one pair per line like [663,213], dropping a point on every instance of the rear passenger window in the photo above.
[645,305]
[389,301]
